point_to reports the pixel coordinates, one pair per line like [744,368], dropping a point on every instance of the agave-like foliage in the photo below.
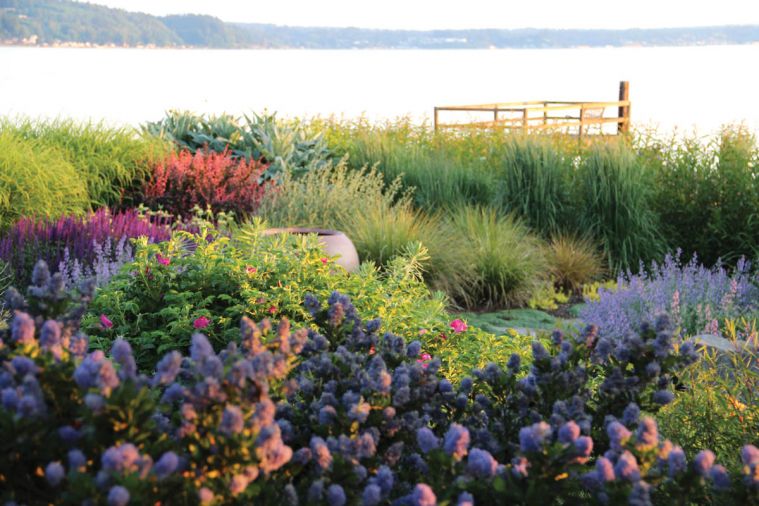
[285,146]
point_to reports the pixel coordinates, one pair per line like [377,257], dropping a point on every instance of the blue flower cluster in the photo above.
[343,413]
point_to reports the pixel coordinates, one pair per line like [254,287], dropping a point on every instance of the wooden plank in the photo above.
[518,122]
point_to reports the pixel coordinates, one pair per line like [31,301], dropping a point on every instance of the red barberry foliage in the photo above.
[205,179]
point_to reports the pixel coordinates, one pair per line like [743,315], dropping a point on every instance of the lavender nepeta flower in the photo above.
[676,461]
[232,421]
[456,442]
[166,465]
[704,462]
[336,495]
[481,464]
[423,496]
[426,440]
[531,438]
[569,432]
[54,473]
[118,496]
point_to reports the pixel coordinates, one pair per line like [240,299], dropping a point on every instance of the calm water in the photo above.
[701,87]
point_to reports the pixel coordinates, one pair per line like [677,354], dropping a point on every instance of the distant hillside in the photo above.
[52,22]
[344,38]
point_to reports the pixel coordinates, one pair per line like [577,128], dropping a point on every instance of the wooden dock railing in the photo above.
[583,117]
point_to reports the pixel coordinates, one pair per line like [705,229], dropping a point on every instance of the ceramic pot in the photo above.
[334,243]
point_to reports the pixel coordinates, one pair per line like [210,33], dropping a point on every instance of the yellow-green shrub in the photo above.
[37,180]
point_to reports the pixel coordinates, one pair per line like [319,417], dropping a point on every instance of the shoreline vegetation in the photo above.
[48,23]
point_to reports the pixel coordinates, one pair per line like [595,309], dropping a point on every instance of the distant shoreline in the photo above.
[87,45]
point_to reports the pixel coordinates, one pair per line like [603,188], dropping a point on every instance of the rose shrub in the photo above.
[156,300]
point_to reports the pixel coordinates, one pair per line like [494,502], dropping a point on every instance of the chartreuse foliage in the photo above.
[112,162]
[339,413]
[37,180]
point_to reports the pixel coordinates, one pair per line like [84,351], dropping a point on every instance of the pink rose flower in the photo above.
[105,321]
[272,309]
[324,260]
[201,323]
[251,270]
[423,359]
[423,331]
[458,326]
[162,259]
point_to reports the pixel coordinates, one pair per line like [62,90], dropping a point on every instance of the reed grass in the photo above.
[613,194]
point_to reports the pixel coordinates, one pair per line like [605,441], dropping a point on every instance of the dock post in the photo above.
[435,119]
[582,122]
[623,126]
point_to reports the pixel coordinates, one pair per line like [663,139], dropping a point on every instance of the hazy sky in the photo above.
[431,14]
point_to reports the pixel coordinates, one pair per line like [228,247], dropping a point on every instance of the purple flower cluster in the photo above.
[370,424]
[695,297]
[96,242]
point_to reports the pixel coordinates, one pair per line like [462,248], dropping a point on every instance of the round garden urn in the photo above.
[334,243]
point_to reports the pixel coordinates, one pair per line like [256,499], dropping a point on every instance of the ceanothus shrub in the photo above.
[340,413]
[82,428]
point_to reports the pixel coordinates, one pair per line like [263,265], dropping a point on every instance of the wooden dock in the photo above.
[580,118]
